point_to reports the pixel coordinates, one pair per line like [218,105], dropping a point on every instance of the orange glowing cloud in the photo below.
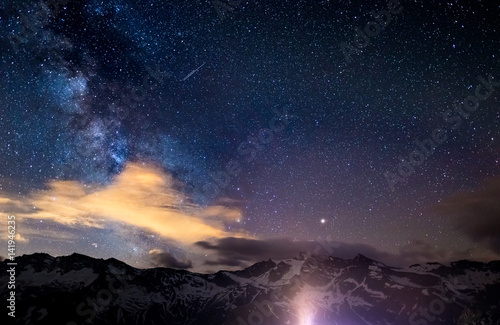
[141,196]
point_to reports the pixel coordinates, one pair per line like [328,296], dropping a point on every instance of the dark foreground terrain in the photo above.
[317,290]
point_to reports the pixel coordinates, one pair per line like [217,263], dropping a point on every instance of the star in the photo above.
[254,120]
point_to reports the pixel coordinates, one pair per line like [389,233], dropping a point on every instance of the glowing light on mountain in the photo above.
[306,315]
[308,320]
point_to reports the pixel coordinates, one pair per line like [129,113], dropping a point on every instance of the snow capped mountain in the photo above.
[77,289]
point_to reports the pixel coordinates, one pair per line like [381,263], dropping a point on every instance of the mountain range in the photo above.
[306,290]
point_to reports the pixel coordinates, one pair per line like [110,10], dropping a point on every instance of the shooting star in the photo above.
[193,72]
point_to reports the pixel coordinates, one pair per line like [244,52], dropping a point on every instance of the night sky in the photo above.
[209,135]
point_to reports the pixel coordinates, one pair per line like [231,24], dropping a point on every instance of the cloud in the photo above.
[20,239]
[51,232]
[477,214]
[233,251]
[221,211]
[242,252]
[420,252]
[5,200]
[11,205]
[164,259]
[226,262]
[242,249]
[141,196]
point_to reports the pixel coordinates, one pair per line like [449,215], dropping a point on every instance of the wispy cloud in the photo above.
[241,252]
[477,214]
[165,259]
[141,196]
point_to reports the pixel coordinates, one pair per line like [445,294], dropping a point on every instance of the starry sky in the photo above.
[208,135]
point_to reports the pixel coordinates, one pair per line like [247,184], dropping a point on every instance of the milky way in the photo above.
[251,120]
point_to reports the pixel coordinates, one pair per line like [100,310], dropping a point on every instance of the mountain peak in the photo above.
[168,296]
[257,269]
[362,258]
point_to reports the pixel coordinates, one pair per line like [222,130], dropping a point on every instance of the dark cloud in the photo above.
[418,252]
[242,252]
[241,249]
[164,259]
[232,251]
[225,262]
[477,214]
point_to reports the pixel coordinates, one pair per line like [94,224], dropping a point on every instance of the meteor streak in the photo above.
[192,72]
